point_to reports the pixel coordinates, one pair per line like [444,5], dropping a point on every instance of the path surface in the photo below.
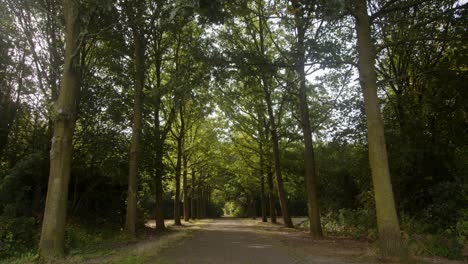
[246,241]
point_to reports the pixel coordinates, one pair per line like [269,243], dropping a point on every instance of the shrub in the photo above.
[445,243]
[443,246]
[17,235]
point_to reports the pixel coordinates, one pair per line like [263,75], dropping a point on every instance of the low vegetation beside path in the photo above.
[111,245]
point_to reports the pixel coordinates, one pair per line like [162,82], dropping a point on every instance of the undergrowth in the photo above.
[357,224]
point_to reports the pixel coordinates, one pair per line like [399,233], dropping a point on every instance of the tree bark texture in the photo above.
[387,220]
[52,242]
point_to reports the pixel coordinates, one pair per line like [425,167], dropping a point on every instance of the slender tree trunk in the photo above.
[262,199]
[276,156]
[53,226]
[254,209]
[274,131]
[199,198]
[193,200]
[262,174]
[315,227]
[135,148]
[185,189]
[159,190]
[160,137]
[177,182]
[387,220]
[271,196]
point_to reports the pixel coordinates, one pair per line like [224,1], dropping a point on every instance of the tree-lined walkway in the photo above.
[229,240]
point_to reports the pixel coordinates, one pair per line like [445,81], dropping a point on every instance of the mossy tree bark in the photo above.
[387,220]
[52,240]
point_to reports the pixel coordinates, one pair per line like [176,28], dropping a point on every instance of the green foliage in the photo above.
[234,208]
[24,178]
[437,245]
[357,223]
[81,238]
[447,243]
[17,236]
[204,57]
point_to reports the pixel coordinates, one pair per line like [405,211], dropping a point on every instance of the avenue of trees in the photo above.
[350,112]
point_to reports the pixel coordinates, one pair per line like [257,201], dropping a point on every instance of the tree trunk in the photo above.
[185,189]
[254,209]
[199,198]
[53,226]
[387,220]
[262,199]
[135,148]
[274,132]
[315,228]
[159,190]
[262,171]
[160,137]
[276,155]
[271,198]
[193,200]
[177,182]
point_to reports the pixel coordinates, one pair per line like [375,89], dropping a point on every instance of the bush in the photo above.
[17,236]
[437,245]
[80,238]
[445,243]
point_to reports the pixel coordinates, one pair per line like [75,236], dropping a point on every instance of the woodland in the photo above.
[351,113]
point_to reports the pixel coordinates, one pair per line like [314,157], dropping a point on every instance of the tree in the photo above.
[387,220]
[53,227]
[135,13]
[178,168]
[301,23]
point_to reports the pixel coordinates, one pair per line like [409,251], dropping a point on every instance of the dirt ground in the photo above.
[230,240]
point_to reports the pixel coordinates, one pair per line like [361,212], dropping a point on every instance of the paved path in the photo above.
[232,241]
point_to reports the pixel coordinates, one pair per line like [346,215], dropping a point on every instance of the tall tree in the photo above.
[53,227]
[387,220]
[178,168]
[266,86]
[301,23]
[135,11]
